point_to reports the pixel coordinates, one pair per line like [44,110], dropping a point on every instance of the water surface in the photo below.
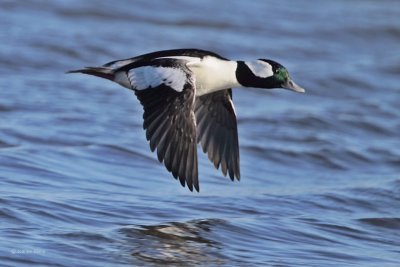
[320,171]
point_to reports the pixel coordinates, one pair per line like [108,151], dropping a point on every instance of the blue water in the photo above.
[320,171]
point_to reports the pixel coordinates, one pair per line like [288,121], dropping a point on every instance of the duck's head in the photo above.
[265,73]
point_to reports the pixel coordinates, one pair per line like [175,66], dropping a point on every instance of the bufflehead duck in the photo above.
[187,99]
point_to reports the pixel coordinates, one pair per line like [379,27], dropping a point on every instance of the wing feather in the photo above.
[169,118]
[217,131]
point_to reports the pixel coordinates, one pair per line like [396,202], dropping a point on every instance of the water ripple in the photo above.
[320,171]
[388,223]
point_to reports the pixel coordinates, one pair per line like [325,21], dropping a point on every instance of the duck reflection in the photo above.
[190,243]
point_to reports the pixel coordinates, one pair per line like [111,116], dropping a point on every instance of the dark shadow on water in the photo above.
[176,243]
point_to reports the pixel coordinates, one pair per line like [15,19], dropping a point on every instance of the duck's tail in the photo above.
[103,72]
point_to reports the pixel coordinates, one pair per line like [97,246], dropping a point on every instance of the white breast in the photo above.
[213,74]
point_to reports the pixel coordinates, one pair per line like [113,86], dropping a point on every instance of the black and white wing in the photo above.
[217,131]
[166,89]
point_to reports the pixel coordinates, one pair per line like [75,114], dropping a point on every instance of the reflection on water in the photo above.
[175,243]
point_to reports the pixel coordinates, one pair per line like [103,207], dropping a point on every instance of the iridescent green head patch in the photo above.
[282,74]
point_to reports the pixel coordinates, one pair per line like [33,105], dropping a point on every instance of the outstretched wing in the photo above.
[217,131]
[166,89]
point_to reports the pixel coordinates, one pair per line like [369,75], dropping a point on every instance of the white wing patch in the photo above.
[260,68]
[149,77]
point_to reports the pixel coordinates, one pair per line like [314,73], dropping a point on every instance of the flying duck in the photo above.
[187,99]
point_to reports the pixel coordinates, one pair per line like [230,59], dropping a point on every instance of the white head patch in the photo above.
[260,68]
[149,77]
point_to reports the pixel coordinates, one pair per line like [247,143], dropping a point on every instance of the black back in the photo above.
[190,52]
